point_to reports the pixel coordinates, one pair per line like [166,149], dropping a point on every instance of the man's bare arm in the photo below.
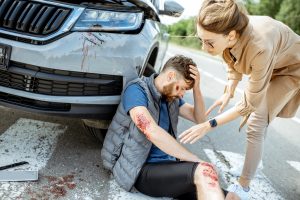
[158,136]
[196,112]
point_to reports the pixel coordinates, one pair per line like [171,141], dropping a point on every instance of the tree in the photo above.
[269,7]
[184,33]
[251,6]
[263,7]
[289,14]
[182,28]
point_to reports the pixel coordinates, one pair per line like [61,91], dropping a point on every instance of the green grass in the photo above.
[187,42]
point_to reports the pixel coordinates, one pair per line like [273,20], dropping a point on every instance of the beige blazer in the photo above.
[269,52]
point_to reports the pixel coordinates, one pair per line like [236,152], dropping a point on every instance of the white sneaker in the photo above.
[239,191]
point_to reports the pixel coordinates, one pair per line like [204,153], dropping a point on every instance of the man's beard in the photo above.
[167,91]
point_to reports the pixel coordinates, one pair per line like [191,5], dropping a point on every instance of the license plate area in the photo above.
[5,51]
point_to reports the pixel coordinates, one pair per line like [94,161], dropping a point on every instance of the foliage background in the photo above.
[184,33]
[287,11]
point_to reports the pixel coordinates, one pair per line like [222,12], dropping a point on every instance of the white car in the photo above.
[73,58]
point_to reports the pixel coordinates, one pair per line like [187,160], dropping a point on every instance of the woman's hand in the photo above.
[222,102]
[194,133]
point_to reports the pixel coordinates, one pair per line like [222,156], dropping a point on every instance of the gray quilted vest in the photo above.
[125,148]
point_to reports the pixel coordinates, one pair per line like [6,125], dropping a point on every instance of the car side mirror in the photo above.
[171,8]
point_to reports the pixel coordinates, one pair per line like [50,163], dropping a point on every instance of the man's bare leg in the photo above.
[206,181]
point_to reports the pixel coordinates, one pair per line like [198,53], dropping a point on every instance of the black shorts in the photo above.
[171,179]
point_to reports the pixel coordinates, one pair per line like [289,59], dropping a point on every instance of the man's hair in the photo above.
[181,65]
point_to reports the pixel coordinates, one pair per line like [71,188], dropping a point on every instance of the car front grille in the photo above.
[32,17]
[54,82]
[34,104]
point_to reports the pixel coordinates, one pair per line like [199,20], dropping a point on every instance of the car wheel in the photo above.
[96,129]
[149,70]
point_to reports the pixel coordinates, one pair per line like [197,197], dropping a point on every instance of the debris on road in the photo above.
[17,175]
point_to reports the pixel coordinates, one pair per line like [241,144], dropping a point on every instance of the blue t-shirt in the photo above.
[134,96]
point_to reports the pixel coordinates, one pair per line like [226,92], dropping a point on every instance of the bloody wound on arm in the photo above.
[143,123]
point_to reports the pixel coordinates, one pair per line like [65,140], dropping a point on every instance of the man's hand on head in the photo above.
[195,74]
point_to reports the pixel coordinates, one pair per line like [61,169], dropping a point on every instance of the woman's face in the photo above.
[212,43]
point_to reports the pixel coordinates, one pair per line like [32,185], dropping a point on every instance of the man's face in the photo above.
[175,90]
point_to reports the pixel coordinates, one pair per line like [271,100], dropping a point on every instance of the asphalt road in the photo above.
[68,159]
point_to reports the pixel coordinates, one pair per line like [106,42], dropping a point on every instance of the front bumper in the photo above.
[92,111]
[107,54]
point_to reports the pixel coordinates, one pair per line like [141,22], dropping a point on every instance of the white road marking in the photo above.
[261,187]
[26,140]
[117,193]
[296,120]
[239,90]
[86,193]
[295,165]
[236,170]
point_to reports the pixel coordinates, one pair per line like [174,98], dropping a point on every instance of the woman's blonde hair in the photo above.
[222,16]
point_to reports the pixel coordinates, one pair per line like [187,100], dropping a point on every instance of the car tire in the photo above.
[96,129]
[149,70]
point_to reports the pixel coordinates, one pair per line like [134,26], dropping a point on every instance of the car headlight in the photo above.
[103,20]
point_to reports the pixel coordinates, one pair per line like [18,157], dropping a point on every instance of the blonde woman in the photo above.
[269,53]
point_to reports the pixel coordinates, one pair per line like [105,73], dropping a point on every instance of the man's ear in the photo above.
[171,76]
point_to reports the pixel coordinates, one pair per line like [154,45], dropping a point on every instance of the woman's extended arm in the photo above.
[225,98]
[196,132]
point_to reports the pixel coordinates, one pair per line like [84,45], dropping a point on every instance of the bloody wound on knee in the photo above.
[211,173]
